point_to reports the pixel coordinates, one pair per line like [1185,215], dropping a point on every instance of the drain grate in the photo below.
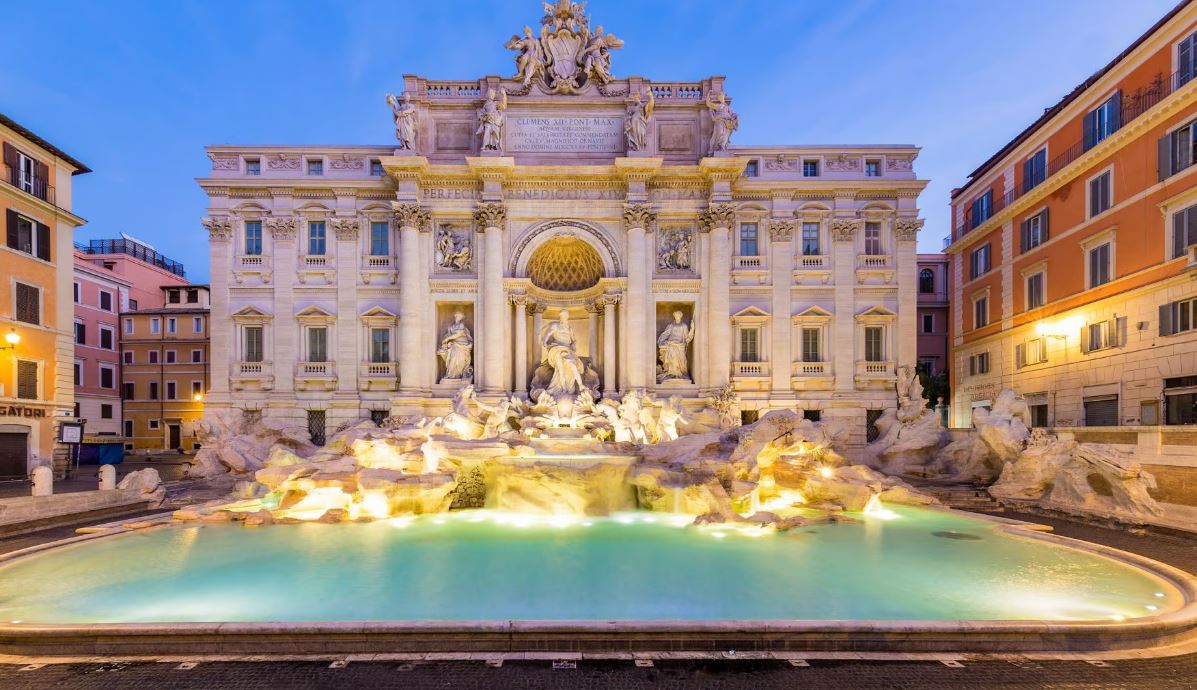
[952,534]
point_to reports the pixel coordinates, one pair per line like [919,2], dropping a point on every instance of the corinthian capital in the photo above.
[490,214]
[782,229]
[220,228]
[844,229]
[411,216]
[345,228]
[907,229]
[638,215]
[717,216]
[282,227]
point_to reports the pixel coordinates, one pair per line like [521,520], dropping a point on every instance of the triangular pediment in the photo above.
[314,312]
[379,313]
[750,312]
[876,313]
[813,312]
[251,312]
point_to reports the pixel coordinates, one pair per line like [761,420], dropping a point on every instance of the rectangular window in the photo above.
[1101,410]
[1033,231]
[128,326]
[1177,150]
[380,345]
[1102,121]
[197,324]
[1178,317]
[872,431]
[874,342]
[748,238]
[153,390]
[252,347]
[105,300]
[810,239]
[376,168]
[197,356]
[979,261]
[171,391]
[748,345]
[316,238]
[80,333]
[752,169]
[978,364]
[318,344]
[1099,194]
[315,166]
[193,296]
[107,338]
[316,426]
[172,325]
[1184,230]
[171,356]
[127,390]
[107,377]
[155,325]
[78,374]
[253,237]
[872,168]
[1035,291]
[1034,170]
[127,356]
[872,238]
[1099,265]
[981,312]
[105,411]
[253,166]
[76,293]
[380,238]
[812,415]
[153,423]
[810,168]
[128,428]
[153,356]
[197,388]
[29,300]
[27,384]
[811,352]
[1096,336]
[28,236]
[1186,56]
[1038,415]
[173,297]
[981,209]
[928,323]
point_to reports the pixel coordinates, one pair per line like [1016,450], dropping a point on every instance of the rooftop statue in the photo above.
[566,56]
[490,120]
[404,112]
[724,121]
[636,126]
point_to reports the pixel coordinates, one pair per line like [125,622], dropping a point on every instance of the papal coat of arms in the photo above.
[567,55]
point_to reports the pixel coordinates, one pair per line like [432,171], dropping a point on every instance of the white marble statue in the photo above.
[559,350]
[636,125]
[596,56]
[404,112]
[530,62]
[452,252]
[490,120]
[668,418]
[630,417]
[671,350]
[723,122]
[457,350]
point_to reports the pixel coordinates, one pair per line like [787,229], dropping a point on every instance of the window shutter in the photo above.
[1116,111]
[1020,355]
[1184,61]
[1024,231]
[972,365]
[1089,125]
[1164,161]
[1166,319]
[10,159]
[1043,226]
[1118,332]
[43,242]
[13,240]
[41,180]
[1084,340]
[1027,173]
[1179,233]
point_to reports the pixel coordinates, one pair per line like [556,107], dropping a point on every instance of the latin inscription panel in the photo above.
[565,134]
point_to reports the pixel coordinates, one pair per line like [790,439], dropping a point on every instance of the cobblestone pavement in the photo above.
[1172,673]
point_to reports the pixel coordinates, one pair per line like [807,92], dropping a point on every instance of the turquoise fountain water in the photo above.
[910,563]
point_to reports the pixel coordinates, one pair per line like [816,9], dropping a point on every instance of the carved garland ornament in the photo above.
[220,228]
[345,228]
[781,229]
[844,229]
[638,215]
[412,216]
[717,216]
[282,228]
[491,214]
[907,229]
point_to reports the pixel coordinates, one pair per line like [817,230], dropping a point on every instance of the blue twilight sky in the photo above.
[137,89]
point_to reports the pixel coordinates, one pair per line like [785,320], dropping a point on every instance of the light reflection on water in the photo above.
[477,565]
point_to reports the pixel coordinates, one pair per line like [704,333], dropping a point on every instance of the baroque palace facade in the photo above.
[363,281]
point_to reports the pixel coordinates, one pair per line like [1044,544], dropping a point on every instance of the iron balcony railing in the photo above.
[39,188]
[135,250]
[1133,105]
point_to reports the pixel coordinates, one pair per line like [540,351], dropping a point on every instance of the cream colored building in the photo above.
[337,270]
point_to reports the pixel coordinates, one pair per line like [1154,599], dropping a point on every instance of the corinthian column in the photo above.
[521,341]
[717,220]
[608,303]
[490,218]
[637,218]
[413,290]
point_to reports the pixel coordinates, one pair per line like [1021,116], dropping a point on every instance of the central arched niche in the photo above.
[565,263]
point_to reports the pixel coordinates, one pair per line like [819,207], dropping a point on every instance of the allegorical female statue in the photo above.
[723,122]
[405,120]
[560,352]
[457,350]
[490,121]
[671,349]
[636,126]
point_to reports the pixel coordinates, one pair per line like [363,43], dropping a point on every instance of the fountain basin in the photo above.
[487,581]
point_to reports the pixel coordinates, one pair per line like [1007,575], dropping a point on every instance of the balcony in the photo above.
[315,267]
[381,268]
[252,376]
[750,270]
[378,376]
[41,189]
[875,374]
[874,269]
[750,376]
[815,269]
[810,376]
[315,376]
[252,265]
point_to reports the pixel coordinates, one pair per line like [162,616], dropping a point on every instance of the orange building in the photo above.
[164,370]
[1073,252]
[36,310]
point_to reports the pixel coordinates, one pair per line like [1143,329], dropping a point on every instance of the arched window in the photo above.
[926,281]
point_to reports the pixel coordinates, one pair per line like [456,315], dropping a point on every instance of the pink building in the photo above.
[933,312]
[111,277]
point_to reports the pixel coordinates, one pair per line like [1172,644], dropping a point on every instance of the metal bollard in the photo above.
[43,481]
[107,478]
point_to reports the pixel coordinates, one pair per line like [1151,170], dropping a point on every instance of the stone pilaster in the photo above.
[717,221]
[906,260]
[490,218]
[283,231]
[220,331]
[781,259]
[520,302]
[413,292]
[348,329]
[609,357]
[637,218]
[843,338]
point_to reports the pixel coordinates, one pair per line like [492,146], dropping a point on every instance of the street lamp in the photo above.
[11,338]
[198,397]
